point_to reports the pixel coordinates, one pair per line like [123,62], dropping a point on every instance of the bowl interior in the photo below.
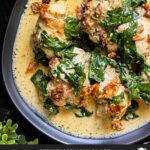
[33,117]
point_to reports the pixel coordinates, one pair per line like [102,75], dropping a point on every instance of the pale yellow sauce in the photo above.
[66,121]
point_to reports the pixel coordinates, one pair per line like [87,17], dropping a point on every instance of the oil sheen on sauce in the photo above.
[93,126]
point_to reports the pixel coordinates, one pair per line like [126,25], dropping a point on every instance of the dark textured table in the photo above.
[7,109]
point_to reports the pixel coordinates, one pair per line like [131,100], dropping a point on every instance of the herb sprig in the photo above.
[9,136]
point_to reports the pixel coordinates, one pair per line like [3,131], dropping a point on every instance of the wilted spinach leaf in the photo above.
[117,17]
[53,43]
[130,113]
[74,73]
[137,89]
[72,28]
[66,53]
[83,113]
[144,89]
[98,64]
[127,48]
[49,105]
[133,3]
[147,71]
[70,107]
[40,80]
[40,57]
[76,35]
[61,49]
[117,99]
[131,81]
[132,84]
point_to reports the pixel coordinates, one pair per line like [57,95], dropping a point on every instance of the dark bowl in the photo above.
[32,116]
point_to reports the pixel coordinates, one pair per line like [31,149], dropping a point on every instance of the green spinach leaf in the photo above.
[66,53]
[127,49]
[117,99]
[130,113]
[72,28]
[126,52]
[40,80]
[53,43]
[117,17]
[74,73]
[147,71]
[133,3]
[83,113]
[144,89]
[60,48]
[98,64]
[49,105]
[137,89]
[76,35]
[70,107]
[40,57]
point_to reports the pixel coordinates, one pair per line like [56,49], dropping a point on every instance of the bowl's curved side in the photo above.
[28,113]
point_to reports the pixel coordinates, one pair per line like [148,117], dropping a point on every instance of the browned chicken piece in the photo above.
[147,9]
[112,55]
[118,125]
[62,93]
[51,19]
[88,93]
[54,62]
[109,88]
[32,67]
[57,93]
[96,33]
[117,111]
[114,111]
[46,1]
[36,7]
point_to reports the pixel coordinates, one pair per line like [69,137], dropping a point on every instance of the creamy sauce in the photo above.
[66,121]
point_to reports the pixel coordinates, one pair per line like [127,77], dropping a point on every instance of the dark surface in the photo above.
[7,109]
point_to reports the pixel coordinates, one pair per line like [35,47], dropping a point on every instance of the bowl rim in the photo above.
[29,114]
